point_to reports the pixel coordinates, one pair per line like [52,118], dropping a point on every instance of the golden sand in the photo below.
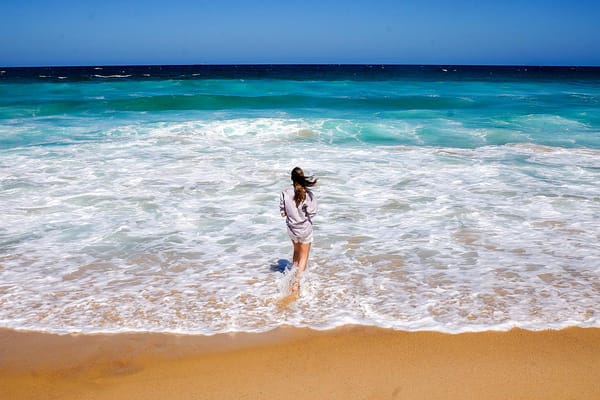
[346,363]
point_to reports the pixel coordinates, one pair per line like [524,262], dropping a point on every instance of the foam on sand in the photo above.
[144,232]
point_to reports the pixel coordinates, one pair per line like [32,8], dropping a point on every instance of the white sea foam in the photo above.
[112,76]
[175,227]
[285,282]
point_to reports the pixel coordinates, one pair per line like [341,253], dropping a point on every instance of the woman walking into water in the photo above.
[298,205]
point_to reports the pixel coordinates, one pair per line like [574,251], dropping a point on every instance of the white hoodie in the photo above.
[298,218]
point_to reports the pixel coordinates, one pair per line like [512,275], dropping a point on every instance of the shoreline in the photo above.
[352,362]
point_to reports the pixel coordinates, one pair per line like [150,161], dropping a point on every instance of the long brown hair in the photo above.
[301,182]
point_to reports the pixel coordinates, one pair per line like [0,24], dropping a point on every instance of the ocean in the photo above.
[451,198]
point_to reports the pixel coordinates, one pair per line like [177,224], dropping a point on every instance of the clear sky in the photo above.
[109,32]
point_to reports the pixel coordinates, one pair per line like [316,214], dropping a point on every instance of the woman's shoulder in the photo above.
[288,190]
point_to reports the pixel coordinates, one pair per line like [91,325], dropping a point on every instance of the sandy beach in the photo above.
[346,363]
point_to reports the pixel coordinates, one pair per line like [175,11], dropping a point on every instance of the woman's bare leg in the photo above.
[296,256]
[303,252]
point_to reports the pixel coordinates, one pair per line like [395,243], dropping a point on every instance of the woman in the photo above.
[298,205]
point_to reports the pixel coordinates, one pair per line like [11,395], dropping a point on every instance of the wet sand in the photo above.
[346,363]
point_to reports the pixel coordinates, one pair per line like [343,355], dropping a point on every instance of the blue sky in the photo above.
[83,32]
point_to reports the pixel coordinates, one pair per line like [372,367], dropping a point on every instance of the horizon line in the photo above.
[300,64]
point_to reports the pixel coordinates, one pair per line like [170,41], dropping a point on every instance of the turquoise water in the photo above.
[451,199]
[400,112]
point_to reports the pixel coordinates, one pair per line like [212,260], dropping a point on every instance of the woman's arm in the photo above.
[282,205]
[310,205]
